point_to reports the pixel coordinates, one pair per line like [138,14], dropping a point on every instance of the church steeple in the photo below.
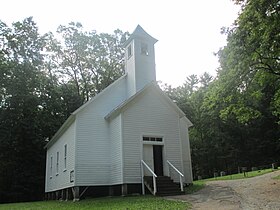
[139,60]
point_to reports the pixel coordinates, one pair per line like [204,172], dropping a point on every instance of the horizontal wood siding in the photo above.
[60,180]
[149,114]
[116,151]
[93,166]
[186,153]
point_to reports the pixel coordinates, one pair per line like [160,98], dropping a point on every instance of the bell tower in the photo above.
[139,60]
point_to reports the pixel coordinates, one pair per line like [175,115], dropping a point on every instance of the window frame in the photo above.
[65,157]
[144,49]
[152,139]
[129,51]
[57,163]
[72,176]
[51,167]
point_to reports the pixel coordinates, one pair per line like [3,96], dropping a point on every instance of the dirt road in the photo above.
[261,192]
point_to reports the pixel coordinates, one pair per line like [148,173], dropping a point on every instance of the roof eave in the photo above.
[99,94]
[118,109]
[61,130]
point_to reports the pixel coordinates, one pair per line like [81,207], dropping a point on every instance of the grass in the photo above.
[123,203]
[200,184]
[127,203]
[196,186]
[277,177]
[250,174]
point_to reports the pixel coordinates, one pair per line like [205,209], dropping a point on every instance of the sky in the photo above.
[188,30]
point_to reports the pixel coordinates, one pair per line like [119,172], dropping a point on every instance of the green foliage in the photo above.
[139,202]
[21,142]
[250,61]
[86,61]
[236,115]
[276,104]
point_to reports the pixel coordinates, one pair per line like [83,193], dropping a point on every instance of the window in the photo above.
[147,138]
[57,162]
[144,49]
[129,51]
[65,157]
[72,176]
[51,167]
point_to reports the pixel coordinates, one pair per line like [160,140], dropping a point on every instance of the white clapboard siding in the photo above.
[93,165]
[60,180]
[130,68]
[186,153]
[149,114]
[116,151]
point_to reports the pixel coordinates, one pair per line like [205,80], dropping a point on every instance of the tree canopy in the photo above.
[236,115]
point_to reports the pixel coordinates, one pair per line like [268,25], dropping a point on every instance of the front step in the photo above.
[165,186]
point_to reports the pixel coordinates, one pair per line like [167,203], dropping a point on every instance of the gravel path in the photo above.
[261,192]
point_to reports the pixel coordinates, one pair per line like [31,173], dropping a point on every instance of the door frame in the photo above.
[158,159]
[161,143]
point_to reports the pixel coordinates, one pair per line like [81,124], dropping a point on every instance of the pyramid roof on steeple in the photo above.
[140,33]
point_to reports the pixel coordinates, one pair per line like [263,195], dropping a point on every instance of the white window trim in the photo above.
[57,163]
[144,48]
[51,166]
[72,176]
[129,48]
[153,142]
[65,157]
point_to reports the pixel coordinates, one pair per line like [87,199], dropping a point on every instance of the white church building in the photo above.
[130,138]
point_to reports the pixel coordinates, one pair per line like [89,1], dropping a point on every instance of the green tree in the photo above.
[86,61]
[21,145]
[252,52]
[236,115]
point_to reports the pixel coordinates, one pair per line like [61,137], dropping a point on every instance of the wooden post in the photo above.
[124,189]
[66,194]
[111,191]
[58,195]
[63,194]
[70,194]
[76,193]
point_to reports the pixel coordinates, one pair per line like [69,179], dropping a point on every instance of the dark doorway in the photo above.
[158,163]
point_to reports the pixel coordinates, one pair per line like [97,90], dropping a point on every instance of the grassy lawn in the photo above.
[123,203]
[241,175]
[199,184]
[196,186]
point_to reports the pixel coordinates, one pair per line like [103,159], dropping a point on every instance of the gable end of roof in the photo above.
[119,108]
